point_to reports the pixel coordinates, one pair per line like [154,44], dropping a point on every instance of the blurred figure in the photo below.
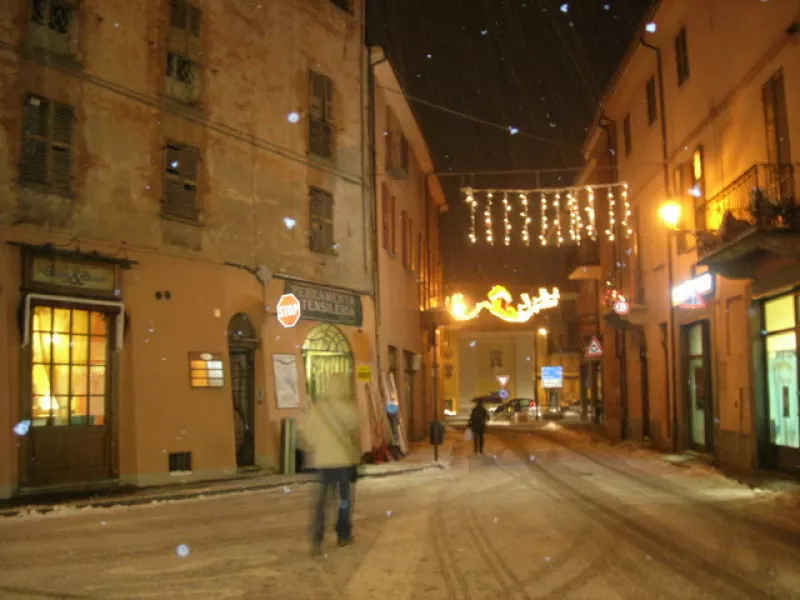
[477,423]
[331,436]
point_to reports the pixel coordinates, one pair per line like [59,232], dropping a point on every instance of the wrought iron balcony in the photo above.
[753,218]
[763,198]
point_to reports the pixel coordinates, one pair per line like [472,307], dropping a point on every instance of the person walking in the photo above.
[331,436]
[477,423]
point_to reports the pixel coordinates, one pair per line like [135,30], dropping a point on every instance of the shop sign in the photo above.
[288,310]
[320,303]
[690,293]
[552,377]
[364,372]
[63,273]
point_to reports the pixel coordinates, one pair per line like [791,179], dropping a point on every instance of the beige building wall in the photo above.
[733,49]
[409,200]
[253,209]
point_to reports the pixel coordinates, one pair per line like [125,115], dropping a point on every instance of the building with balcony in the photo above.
[169,171]
[409,275]
[699,121]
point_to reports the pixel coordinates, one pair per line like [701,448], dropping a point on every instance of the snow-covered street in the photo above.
[543,515]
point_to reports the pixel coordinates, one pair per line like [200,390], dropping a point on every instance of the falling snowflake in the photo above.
[287,489]
[389,513]
[22,427]
[513,130]
[293,117]
[565,8]
[289,222]
[484,31]
[606,7]
[650,28]
[183,550]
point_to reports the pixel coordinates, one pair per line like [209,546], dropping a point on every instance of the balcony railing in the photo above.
[764,197]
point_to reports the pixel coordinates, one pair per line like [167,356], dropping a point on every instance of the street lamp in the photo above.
[670,214]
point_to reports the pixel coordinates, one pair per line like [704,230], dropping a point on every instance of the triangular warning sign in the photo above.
[594,349]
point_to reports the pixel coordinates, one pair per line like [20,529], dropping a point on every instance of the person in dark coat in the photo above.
[477,423]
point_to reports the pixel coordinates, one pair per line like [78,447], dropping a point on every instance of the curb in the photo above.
[190,494]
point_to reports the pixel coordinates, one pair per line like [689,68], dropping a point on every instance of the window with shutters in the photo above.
[52,24]
[321,211]
[47,145]
[652,108]
[682,56]
[321,132]
[385,217]
[183,52]
[180,182]
[405,226]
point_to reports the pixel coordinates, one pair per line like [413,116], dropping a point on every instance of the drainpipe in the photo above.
[374,204]
[667,188]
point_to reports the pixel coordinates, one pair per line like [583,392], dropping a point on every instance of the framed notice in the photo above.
[287,393]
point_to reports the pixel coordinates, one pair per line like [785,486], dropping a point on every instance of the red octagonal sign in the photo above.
[288,310]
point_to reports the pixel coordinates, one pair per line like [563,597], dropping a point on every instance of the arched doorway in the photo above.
[325,351]
[243,341]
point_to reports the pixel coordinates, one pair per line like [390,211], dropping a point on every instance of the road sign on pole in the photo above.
[594,349]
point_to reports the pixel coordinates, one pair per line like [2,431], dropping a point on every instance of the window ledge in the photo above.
[170,217]
[334,253]
[46,56]
[196,107]
[45,188]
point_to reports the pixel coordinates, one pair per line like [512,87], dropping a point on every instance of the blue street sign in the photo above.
[504,394]
[552,377]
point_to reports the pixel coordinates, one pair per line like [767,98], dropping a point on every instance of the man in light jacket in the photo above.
[331,435]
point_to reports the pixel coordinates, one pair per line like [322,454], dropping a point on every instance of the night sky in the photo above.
[527,64]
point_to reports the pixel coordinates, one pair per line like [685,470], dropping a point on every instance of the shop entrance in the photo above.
[325,352]
[243,341]
[696,341]
[70,409]
[782,327]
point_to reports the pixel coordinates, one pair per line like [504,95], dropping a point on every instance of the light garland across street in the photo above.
[572,208]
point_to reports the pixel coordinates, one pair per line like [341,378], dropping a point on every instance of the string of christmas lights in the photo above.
[506,220]
[626,212]
[470,200]
[543,209]
[526,220]
[557,222]
[612,219]
[487,219]
[578,204]
[591,225]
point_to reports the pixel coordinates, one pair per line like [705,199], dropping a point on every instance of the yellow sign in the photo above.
[364,372]
[74,274]
[499,303]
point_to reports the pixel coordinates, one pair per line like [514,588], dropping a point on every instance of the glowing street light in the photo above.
[670,214]
[542,331]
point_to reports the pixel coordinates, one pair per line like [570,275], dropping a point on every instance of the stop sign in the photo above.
[288,310]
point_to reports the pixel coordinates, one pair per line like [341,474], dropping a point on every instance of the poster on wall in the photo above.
[287,393]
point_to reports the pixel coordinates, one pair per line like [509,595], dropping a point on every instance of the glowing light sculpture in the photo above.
[499,303]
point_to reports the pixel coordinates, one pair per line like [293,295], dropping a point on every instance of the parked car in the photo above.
[508,409]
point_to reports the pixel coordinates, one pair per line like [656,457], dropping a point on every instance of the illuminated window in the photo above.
[68,376]
[206,370]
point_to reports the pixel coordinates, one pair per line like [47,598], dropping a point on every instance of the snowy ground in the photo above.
[544,515]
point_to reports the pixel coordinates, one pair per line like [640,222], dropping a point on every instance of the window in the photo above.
[698,191]
[52,22]
[344,4]
[320,123]
[183,52]
[652,110]
[626,133]
[206,370]
[682,56]
[419,254]
[70,356]
[386,218]
[495,359]
[781,340]
[405,227]
[321,211]
[180,182]
[392,226]
[47,144]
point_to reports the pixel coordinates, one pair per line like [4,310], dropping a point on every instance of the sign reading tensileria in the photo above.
[320,303]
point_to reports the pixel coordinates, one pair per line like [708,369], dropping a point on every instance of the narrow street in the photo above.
[542,515]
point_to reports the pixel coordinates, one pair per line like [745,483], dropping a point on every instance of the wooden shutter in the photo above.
[328,83]
[63,120]
[178,14]
[195,20]
[317,235]
[317,96]
[33,166]
[328,221]
[180,182]
[385,215]
[37,116]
